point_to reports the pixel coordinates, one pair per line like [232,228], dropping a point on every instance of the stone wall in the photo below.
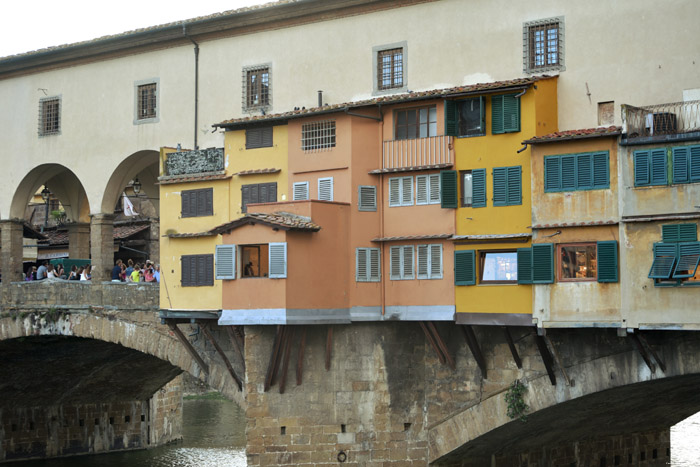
[67,430]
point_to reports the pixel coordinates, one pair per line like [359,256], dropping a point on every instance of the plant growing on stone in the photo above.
[514,398]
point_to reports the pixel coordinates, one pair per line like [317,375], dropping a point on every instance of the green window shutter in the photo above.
[511,114]
[448,188]
[674,233]
[542,263]
[465,267]
[607,261]
[601,170]
[584,171]
[665,255]
[641,168]
[497,126]
[680,158]
[552,173]
[695,164]
[482,108]
[451,118]
[524,265]
[659,167]
[568,173]
[688,260]
[515,182]
[479,188]
[499,186]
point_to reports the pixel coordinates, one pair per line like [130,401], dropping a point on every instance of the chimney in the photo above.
[320,98]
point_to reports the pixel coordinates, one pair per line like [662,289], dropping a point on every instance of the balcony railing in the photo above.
[662,119]
[419,152]
[194,162]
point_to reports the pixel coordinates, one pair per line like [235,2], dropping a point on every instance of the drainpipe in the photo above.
[196,83]
[380,207]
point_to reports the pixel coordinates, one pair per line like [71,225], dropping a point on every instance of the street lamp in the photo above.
[45,195]
[136,185]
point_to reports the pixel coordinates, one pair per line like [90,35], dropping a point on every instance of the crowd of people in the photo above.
[122,272]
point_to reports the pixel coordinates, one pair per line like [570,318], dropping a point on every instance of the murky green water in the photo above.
[213,436]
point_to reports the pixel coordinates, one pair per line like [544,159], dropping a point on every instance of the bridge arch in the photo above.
[609,395]
[143,165]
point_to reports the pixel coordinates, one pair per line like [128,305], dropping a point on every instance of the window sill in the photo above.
[491,284]
[471,136]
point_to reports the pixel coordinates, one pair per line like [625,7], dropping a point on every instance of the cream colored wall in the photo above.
[608,56]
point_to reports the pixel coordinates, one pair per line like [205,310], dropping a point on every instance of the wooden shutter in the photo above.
[394,192]
[674,233]
[659,167]
[465,267]
[253,138]
[568,173]
[300,191]
[325,189]
[435,261]
[375,268]
[584,171]
[601,170]
[271,193]
[209,202]
[361,270]
[542,263]
[451,118]
[406,191]
[277,256]
[641,168]
[407,262]
[185,210]
[607,261]
[665,255]
[201,203]
[514,186]
[479,188]
[245,197]
[695,164]
[500,186]
[208,278]
[511,114]
[524,258]
[225,261]
[680,162]
[266,137]
[423,262]
[688,260]
[552,175]
[395,263]
[421,189]
[367,198]
[497,126]
[186,271]
[448,189]
[434,195]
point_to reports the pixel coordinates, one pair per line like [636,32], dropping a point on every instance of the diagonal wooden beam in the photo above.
[188,347]
[642,351]
[219,350]
[285,364]
[273,358]
[473,344]
[280,353]
[432,342]
[546,358]
[442,345]
[300,356]
[511,346]
[644,341]
[558,359]
[329,347]
[236,344]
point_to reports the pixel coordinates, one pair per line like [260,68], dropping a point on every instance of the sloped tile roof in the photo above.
[390,99]
[413,237]
[492,236]
[191,178]
[258,171]
[280,220]
[574,224]
[575,134]
[414,168]
[189,235]
[60,237]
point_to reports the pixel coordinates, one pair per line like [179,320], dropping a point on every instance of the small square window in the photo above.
[318,135]
[256,88]
[146,101]
[254,260]
[498,267]
[577,262]
[543,45]
[50,116]
[415,123]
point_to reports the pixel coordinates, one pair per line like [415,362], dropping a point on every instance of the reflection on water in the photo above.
[685,437]
[213,436]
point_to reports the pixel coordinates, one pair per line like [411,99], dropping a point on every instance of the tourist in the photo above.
[129,269]
[135,273]
[73,276]
[60,272]
[86,276]
[156,273]
[122,273]
[78,274]
[148,273]
[41,272]
[50,272]
[116,271]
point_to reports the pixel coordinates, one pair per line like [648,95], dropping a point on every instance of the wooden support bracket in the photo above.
[273,359]
[433,344]
[329,347]
[656,356]
[642,351]
[219,350]
[285,359]
[443,346]
[558,360]
[300,356]
[511,346]
[237,344]
[188,347]
[473,344]
[546,358]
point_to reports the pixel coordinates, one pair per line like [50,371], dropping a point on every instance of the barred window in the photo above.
[49,116]
[318,135]
[543,45]
[390,68]
[256,87]
[146,101]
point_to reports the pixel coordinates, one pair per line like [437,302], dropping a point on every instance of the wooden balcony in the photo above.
[408,154]
[662,121]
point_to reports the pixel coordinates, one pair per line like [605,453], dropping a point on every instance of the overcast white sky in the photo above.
[36,24]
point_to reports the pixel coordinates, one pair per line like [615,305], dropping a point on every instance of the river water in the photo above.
[214,436]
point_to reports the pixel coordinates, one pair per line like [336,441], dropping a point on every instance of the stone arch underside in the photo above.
[138,332]
[63,184]
[141,164]
[610,395]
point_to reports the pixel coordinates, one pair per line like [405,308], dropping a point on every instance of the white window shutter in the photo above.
[374,265]
[277,260]
[325,189]
[407,191]
[407,266]
[300,191]
[423,262]
[436,261]
[367,198]
[394,192]
[395,266]
[421,189]
[434,188]
[225,261]
[361,264]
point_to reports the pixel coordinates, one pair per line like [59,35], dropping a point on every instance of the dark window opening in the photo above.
[577,262]
[283,430]
[342,428]
[255,260]
[50,119]
[146,101]
[416,123]
[470,117]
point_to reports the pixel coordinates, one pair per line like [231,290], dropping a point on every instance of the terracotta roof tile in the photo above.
[492,236]
[60,237]
[258,171]
[283,220]
[413,237]
[576,134]
[410,169]
[394,98]
[189,235]
[574,224]
[191,178]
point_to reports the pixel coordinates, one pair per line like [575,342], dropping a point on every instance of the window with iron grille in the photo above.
[318,135]
[197,203]
[256,87]
[390,68]
[543,45]
[50,116]
[415,123]
[147,101]
[197,270]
